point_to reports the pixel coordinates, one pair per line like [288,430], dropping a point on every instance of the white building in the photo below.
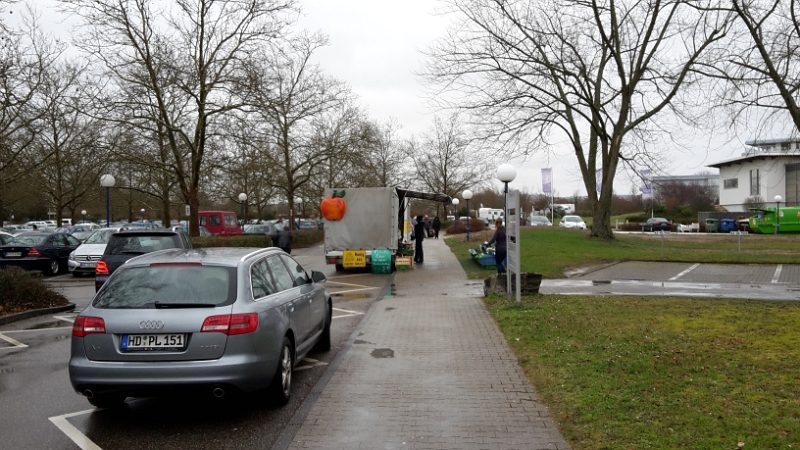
[768,168]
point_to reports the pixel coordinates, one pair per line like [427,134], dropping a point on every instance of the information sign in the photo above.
[382,261]
[354,258]
[512,242]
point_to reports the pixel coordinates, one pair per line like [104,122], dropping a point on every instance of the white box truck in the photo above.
[375,219]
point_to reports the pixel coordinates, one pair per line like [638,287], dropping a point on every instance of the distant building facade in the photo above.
[767,168]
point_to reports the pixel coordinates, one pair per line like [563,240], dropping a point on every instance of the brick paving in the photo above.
[429,370]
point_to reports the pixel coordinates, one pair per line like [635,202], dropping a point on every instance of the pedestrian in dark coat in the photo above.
[499,241]
[285,240]
[419,235]
[437,225]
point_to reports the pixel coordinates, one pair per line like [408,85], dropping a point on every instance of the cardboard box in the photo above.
[404,261]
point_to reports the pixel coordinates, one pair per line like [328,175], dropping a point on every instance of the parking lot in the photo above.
[42,411]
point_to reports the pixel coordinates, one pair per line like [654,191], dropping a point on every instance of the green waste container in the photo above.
[712,225]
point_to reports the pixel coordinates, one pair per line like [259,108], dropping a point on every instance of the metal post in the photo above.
[242,216]
[739,255]
[778,219]
[662,243]
[468,218]
[505,219]
[108,209]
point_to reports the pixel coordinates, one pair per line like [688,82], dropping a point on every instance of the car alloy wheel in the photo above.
[53,270]
[281,388]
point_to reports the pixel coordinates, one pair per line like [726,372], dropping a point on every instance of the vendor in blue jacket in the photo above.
[499,241]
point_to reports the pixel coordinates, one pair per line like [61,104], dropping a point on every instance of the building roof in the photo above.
[770,142]
[754,156]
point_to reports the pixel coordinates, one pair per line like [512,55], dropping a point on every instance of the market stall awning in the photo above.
[407,193]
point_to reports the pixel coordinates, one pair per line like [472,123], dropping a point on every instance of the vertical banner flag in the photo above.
[647,185]
[599,179]
[547,180]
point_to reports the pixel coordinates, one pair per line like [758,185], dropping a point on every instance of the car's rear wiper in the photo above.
[183,305]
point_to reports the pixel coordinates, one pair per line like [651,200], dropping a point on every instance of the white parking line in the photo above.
[66,319]
[777,273]
[73,433]
[354,290]
[685,272]
[14,342]
[314,363]
[347,312]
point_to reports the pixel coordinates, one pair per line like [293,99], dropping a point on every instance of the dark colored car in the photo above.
[260,229]
[127,244]
[657,224]
[213,321]
[36,250]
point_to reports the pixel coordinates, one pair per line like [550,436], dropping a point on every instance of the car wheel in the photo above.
[77,274]
[53,266]
[324,343]
[281,388]
[107,400]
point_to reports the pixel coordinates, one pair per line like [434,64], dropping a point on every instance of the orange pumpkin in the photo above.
[333,207]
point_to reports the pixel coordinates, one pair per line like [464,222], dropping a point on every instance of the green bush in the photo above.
[22,291]
[475,225]
[300,239]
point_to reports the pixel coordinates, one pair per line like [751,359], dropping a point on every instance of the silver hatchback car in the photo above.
[214,319]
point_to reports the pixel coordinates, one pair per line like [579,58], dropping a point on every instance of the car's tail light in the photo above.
[88,325]
[34,252]
[101,268]
[231,324]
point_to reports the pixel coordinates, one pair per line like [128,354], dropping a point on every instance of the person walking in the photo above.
[428,225]
[437,225]
[285,240]
[499,241]
[419,235]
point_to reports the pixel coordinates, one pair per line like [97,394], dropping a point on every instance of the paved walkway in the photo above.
[429,369]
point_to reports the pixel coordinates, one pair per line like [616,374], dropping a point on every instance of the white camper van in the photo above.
[489,215]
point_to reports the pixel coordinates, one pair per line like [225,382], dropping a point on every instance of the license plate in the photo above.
[87,265]
[354,258]
[152,341]
[13,254]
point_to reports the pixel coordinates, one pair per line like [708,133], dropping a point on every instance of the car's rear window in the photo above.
[120,245]
[165,285]
[99,237]
[28,240]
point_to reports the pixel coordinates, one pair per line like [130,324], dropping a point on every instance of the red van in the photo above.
[220,223]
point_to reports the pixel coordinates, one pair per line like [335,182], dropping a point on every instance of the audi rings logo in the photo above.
[151,324]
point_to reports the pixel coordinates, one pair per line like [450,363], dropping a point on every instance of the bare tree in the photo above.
[25,55]
[67,140]
[754,202]
[445,161]
[593,74]
[295,99]
[761,61]
[186,60]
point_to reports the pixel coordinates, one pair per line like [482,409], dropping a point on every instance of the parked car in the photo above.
[5,237]
[141,226]
[261,229]
[539,221]
[81,232]
[126,244]
[572,222]
[38,250]
[185,228]
[220,223]
[218,320]
[657,224]
[84,259]
[306,224]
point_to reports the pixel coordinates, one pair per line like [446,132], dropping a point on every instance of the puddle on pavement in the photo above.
[6,370]
[361,341]
[349,295]
[383,353]
[390,308]
[599,282]
[46,325]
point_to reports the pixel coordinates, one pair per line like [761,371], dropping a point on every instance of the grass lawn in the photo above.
[551,250]
[661,373]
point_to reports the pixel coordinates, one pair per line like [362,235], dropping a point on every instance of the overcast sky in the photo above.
[375,47]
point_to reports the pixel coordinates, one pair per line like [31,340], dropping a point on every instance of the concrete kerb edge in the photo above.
[595,269]
[5,320]
[290,431]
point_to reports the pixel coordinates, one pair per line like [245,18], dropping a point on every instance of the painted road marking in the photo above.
[66,319]
[73,433]
[14,342]
[348,313]
[685,272]
[777,273]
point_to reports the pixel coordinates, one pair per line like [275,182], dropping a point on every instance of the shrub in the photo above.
[22,291]
[474,226]
[300,239]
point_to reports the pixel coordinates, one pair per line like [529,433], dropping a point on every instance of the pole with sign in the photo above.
[512,242]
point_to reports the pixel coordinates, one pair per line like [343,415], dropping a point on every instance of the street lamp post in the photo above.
[242,200]
[467,194]
[107,181]
[455,214]
[506,173]
[778,200]
[83,214]
[142,211]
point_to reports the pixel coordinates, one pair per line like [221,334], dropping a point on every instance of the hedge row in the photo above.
[300,239]
[22,291]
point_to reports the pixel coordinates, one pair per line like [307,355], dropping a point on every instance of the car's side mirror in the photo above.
[317,277]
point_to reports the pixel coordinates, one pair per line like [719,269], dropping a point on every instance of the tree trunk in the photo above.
[166,218]
[194,209]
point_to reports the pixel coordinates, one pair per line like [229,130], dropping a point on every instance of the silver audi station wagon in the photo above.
[214,319]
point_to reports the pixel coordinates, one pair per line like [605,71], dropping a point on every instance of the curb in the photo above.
[4,320]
